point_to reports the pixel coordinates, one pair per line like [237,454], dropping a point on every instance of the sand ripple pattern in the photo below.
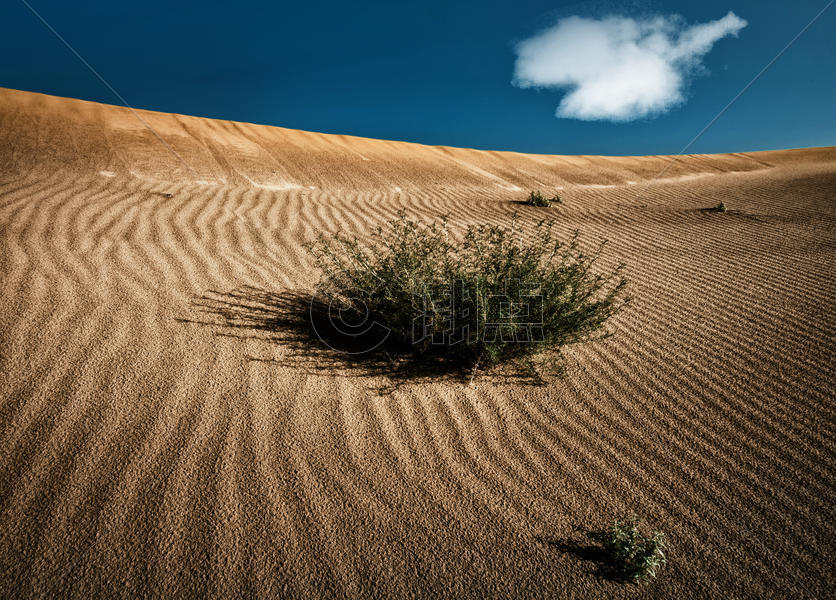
[146,452]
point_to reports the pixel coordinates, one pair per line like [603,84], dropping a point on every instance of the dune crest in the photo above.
[88,136]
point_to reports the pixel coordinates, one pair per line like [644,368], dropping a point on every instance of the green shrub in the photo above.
[538,199]
[487,299]
[633,555]
[721,207]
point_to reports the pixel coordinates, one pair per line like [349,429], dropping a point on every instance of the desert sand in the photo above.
[150,448]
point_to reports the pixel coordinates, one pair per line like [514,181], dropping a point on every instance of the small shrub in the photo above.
[721,207]
[487,299]
[634,556]
[538,199]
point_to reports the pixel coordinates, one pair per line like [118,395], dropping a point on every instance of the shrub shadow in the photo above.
[590,548]
[526,203]
[301,325]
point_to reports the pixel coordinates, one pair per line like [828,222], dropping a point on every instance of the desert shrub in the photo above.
[489,298]
[538,199]
[633,555]
[721,207]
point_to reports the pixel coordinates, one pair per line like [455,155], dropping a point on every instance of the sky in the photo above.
[619,78]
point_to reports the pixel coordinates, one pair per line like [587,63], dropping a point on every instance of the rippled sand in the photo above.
[146,448]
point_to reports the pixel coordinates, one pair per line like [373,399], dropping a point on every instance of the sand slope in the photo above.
[145,450]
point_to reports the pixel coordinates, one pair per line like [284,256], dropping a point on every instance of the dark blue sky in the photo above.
[433,72]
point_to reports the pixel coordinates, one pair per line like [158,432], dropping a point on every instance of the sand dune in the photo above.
[147,449]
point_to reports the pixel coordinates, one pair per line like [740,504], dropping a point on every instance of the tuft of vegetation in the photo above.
[633,555]
[721,207]
[538,199]
[492,296]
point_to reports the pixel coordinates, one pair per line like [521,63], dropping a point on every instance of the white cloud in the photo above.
[618,68]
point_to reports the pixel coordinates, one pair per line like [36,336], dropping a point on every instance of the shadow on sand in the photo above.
[590,548]
[311,343]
